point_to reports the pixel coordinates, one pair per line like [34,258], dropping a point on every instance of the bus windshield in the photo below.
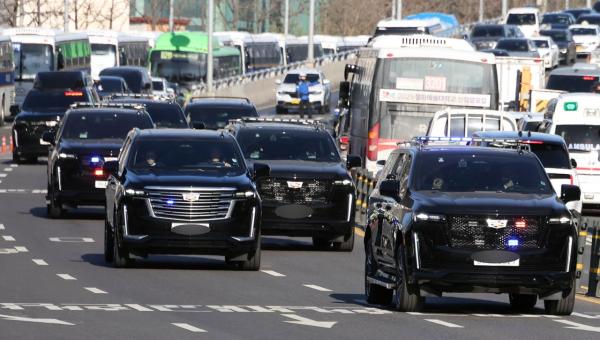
[31,59]
[178,67]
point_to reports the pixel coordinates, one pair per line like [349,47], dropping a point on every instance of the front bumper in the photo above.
[74,198]
[28,141]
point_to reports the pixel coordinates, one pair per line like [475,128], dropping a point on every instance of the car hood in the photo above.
[305,170]
[140,179]
[29,116]
[105,148]
[489,203]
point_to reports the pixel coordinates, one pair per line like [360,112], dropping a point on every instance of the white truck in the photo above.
[517,76]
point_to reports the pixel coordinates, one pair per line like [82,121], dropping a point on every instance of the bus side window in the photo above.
[60,60]
[122,56]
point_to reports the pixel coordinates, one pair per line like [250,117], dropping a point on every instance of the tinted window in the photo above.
[158,86]
[288,144]
[583,31]
[472,172]
[589,19]
[552,155]
[187,155]
[110,85]
[580,137]
[84,126]
[294,78]
[166,115]
[571,83]
[513,45]
[217,117]
[52,101]
[178,66]
[132,78]
[556,35]
[521,19]
[556,19]
[541,43]
[487,31]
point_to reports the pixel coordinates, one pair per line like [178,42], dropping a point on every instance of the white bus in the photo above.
[7,78]
[257,51]
[399,82]
[38,49]
[110,49]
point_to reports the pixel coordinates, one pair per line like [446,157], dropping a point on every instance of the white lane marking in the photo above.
[2,226]
[25,319]
[444,323]
[95,290]
[188,327]
[8,238]
[21,249]
[139,308]
[2,175]
[273,273]
[72,239]
[7,169]
[315,287]
[8,251]
[300,320]
[14,165]
[579,326]
[40,262]
[585,316]
[66,277]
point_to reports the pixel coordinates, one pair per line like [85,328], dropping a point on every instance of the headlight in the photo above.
[67,155]
[559,220]
[244,194]
[51,123]
[133,192]
[429,217]
[343,182]
[563,50]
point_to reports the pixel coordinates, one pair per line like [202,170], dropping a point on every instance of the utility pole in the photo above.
[399,9]
[480,10]
[171,24]
[394,9]
[286,19]
[505,8]
[311,32]
[209,60]
[66,16]
[588,3]
[567,4]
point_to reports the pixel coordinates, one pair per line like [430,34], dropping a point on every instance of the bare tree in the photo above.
[115,10]
[8,12]
[153,11]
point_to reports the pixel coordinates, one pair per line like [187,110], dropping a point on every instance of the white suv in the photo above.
[319,91]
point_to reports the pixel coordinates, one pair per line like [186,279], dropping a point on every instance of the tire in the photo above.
[54,208]
[120,254]
[404,300]
[564,306]
[16,159]
[374,294]
[522,302]
[320,243]
[348,244]
[109,243]
[253,262]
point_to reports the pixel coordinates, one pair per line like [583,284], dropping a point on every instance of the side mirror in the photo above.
[147,86]
[573,163]
[199,125]
[326,81]
[569,193]
[111,167]
[344,92]
[49,137]
[278,82]
[390,188]
[261,170]
[14,110]
[353,161]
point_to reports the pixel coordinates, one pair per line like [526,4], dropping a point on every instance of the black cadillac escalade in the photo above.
[469,219]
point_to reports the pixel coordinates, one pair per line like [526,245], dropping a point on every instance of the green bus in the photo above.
[181,57]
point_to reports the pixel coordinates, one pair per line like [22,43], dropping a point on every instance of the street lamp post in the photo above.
[171,25]
[209,60]
[311,32]
[66,16]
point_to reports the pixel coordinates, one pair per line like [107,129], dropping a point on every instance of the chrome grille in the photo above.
[199,204]
[473,232]
[283,191]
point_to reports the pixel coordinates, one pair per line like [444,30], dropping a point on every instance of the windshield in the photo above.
[580,137]
[555,19]
[474,123]
[262,55]
[157,85]
[110,85]
[479,172]
[52,101]
[31,59]
[288,144]
[556,35]
[215,118]
[592,20]
[513,45]
[86,126]
[166,115]
[571,83]
[552,155]
[583,31]
[521,19]
[487,31]
[541,43]
[104,54]
[187,155]
[294,78]
[178,67]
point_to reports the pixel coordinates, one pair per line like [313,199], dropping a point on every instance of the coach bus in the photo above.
[7,78]
[39,49]
[258,51]
[110,49]
[399,82]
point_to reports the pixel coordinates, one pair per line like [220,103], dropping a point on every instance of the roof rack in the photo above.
[103,105]
[305,122]
[507,142]
[139,96]
[195,98]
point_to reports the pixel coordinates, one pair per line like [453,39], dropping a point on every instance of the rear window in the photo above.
[555,19]
[294,78]
[132,78]
[110,85]
[215,118]
[167,115]
[571,83]
[158,86]
[513,45]
[53,101]
[552,155]
[583,31]
[592,20]
[556,35]
[521,19]
[489,31]
[84,126]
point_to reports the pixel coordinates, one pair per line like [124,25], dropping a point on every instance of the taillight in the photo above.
[373,142]
[571,179]
[344,141]
[521,224]
[98,172]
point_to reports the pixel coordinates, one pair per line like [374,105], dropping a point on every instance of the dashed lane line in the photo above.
[95,290]
[72,239]
[14,165]
[2,175]
[273,273]
[66,277]
[444,323]
[40,262]
[8,238]
[8,169]
[188,327]
[2,226]
[319,288]
[21,249]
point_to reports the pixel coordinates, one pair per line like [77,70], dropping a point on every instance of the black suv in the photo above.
[86,139]
[183,192]
[469,219]
[214,113]
[42,111]
[164,113]
[309,193]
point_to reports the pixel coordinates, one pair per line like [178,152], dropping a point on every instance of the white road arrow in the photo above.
[25,319]
[579,326]
[308,322]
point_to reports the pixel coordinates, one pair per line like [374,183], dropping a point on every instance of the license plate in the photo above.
[514,263]
[295,101]
[42,142]
[101,184]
